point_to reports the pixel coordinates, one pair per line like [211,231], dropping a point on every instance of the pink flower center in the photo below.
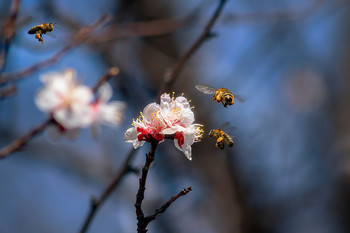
[145,135]
[180,138]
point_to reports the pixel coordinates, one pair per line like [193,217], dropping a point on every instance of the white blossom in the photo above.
[104,112]
[67,101]
[173,116]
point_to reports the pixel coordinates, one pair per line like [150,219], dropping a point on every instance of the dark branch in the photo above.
[7,91]
[9,31]
[164,207]
[110,73]
[173,73]
[141,223]
[80,37]
[21,141]
[96,203]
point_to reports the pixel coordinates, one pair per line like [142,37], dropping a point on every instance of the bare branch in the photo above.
[21,141]
[9,31]
[141,223]
[109,74]
[164,207]
[7,91]
[173,73]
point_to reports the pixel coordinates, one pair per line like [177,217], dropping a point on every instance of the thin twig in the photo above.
[96,203]
[9,31]
[110,73]
[141,223]
[164,207]
[80,37]
[21,141]
[142,29]
[173,73]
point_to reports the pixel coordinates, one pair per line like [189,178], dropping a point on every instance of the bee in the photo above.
[220,95]
[41,29]
[221,137]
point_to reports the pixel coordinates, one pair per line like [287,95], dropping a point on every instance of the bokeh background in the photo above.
[289,169]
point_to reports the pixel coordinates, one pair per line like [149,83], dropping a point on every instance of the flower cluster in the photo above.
[73,105]
[173,118]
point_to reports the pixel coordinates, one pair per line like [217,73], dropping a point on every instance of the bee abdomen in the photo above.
[34,29]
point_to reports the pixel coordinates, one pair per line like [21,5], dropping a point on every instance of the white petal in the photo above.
[105,92]
[187,117]
[78,115]
[165,98]
[111,113]
[137,143]
[46,100]
[172,130]
[82,94]
[131,134]
[186,150]
[149,110]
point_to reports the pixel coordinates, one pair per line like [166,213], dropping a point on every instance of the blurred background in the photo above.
[289,168]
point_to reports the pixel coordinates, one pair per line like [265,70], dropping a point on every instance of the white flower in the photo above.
[173,117]
[67,101]
[104,112]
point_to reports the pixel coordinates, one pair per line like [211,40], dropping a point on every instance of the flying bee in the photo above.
[41,29]
[220,95]
[221,137]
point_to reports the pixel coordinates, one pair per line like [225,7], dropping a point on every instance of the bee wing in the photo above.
[51,35]
[239,98]
[205,89]
[224,125]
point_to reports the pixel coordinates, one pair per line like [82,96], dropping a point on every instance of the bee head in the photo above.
[229,100]
[50,26]
[211,133]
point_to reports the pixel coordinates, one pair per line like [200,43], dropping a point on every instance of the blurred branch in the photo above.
[173,73]
[110,73]
[164,207]
[96,203]
[79,37]
[9,31]
[21,141]
[141,220]
[143,29]
[7,91]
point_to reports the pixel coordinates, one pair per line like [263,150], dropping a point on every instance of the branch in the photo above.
[21,141]
[141,223]
[164,207]
[96,203]
[7,91]
[9,31]
[79,37]
[173,73]
[109,74]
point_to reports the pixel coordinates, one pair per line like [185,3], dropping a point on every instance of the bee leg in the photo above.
[224,104]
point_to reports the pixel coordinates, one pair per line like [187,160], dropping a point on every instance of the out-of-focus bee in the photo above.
[41,29]
[220,95]
[221,137]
